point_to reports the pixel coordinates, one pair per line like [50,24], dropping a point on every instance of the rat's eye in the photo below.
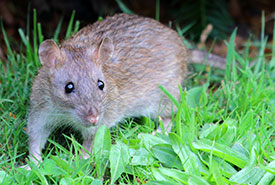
[100,84]
[69,88]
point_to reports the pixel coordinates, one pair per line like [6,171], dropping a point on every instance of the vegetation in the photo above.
[221,135]
[198,14]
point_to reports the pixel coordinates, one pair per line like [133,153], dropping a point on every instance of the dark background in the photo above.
[224,15]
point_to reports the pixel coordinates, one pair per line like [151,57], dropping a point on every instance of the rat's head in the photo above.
[76,80]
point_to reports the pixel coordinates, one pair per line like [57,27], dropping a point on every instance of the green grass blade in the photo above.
[11,54]
[40,35]
[28,27]
[157,10]
[40,175]
[124,8]
[76,26]
[35,48]
[272,62]
[170,96]
[260,62]
[70,26]
[57,31]
[23,37]
[230,60]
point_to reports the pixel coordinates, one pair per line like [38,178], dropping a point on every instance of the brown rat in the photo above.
[106,72]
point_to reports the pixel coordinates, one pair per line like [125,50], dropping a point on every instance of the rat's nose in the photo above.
[93,119]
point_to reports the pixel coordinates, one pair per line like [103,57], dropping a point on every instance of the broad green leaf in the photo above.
[222,151]
[253,157]
[158,175]
[158,182]
[217,173]
[186,156]
[50,168]
[238,147]
[84,179]
[246,141]
[248,175]
[269,174]
[119,158]
[102,147]
[197,181]
[97,182]
[182,177]
[266,179]
[227,169]
[132,143]
[148,123]
[3,176]
[142,157]
[66,181]
[270,169]
[223,133]
[229,135]
[210,131]
[166,155]
[178,175]
[150,140]
[162,178]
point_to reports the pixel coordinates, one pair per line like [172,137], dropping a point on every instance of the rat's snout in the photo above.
[92,116]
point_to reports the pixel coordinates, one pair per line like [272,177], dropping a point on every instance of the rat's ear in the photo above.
[48,53]
[106,49]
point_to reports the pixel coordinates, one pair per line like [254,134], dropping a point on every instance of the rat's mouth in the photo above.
[87,124]
[92,119]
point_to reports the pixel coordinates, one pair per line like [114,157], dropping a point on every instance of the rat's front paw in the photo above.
[26,167]
[84,155]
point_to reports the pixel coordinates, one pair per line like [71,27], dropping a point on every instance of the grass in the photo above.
[222,135]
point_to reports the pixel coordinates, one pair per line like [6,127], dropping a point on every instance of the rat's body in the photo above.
[106,72]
